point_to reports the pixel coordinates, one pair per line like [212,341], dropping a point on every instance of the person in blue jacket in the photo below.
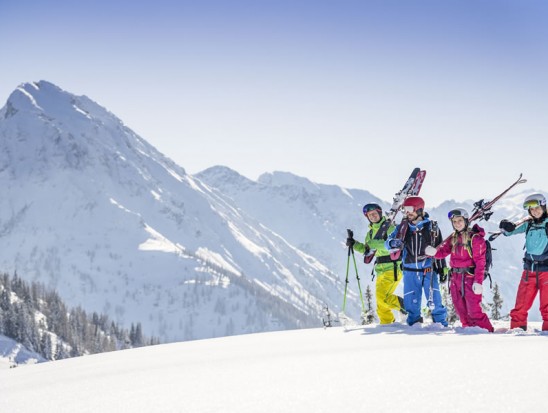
[534,278]
[419,270]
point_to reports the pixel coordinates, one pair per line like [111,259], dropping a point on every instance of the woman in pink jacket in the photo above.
[467,249]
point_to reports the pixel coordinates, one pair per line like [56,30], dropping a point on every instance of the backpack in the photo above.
[488,258]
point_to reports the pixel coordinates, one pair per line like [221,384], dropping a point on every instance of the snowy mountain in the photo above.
[313,217]
[374,369]
[91,209]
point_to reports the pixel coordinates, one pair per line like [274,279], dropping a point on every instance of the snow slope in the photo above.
[373,369]
[13,353]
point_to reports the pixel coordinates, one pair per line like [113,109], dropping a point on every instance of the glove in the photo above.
[395,244]
[430,251]
[350,242]
[477,288]
[507,226]
[444,274]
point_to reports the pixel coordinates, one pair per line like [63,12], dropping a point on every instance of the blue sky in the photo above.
[349,92]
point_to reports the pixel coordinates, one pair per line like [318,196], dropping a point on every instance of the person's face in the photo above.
[373,216]
[536,211]
[458,223]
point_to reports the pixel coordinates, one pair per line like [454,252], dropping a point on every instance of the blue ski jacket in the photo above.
[536,245]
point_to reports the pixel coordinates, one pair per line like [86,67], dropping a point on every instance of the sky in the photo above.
[392,368]
[355,93]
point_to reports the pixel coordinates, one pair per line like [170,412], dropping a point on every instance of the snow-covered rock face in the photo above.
[90,208]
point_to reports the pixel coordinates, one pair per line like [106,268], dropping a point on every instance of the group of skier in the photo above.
[422,263]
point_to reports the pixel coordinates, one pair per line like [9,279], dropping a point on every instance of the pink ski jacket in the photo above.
[466,256]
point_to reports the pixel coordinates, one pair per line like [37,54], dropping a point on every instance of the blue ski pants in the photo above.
[414,283]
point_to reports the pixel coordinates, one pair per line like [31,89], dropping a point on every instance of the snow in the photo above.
[392,368]
[12,353]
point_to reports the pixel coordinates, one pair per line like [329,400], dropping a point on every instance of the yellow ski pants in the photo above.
[386,299]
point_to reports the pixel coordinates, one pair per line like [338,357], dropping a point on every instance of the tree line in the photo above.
[37,318]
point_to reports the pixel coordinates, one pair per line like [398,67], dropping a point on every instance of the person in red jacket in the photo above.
[467,249]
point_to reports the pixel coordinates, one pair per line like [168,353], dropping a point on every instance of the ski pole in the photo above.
[358,279]
[351,252]
[347,268]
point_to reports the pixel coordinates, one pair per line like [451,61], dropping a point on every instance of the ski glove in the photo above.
[430,251]
[396,243]
[477,288]
[350,242]
[507,226]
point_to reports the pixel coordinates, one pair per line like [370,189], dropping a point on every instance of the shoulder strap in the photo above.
[529,224]
[382,233]
[469,246]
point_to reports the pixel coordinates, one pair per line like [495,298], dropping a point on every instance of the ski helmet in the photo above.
[372,207]
[416,202]
[534,200]
[459,212]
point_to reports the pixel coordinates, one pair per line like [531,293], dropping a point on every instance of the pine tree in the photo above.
[496,305]
[448,303]
[369,315]
[46,346]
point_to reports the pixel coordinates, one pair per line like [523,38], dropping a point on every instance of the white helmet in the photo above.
[534,200]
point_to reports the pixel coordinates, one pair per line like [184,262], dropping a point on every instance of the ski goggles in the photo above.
[371,207]
[408,209]
[531,204]
[456,213]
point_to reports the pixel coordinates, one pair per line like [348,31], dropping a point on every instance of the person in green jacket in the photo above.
[388,272]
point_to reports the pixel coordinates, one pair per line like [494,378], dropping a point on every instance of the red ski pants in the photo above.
[531,282]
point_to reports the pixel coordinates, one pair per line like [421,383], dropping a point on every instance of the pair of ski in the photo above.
[482,208]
